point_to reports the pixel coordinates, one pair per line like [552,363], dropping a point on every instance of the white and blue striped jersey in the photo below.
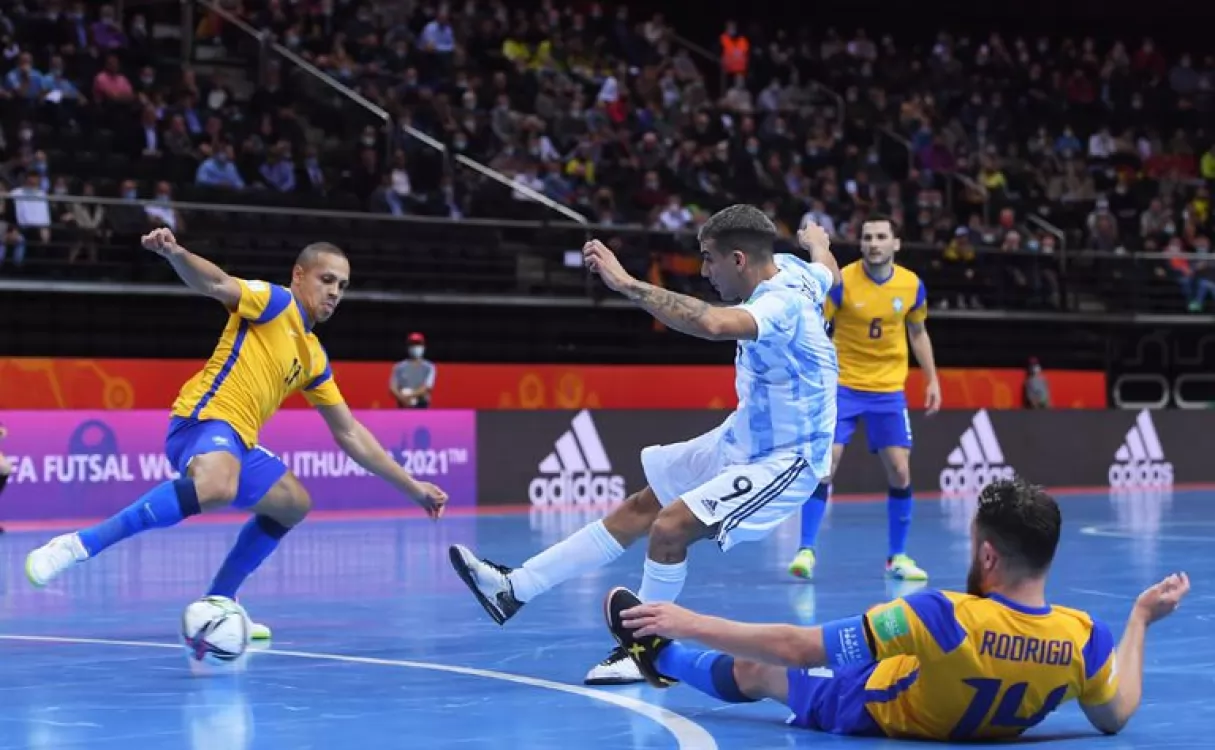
[786,379]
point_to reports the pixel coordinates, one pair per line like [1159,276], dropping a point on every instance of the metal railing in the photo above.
[386,120]
[495,262]
[1059,235]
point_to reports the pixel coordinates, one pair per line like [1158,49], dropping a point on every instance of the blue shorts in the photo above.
[834,704]
[259,468]
[887,423]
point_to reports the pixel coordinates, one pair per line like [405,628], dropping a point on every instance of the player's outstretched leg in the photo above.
[664,662]
[502,591]
[281,509]
[899,504]
[164,505]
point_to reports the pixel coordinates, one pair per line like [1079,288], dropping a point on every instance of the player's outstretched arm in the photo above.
[198,273]
[1158,602]
[358,443]
[678,311]
[847,641]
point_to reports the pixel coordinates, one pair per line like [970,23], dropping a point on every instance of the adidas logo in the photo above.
[578,471]
[977,461]
[1139,461]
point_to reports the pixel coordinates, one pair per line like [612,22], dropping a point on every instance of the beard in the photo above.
[974,580]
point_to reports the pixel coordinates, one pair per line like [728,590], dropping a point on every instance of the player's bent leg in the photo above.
[210,483]
[279,503]
[502,591]
[900,503]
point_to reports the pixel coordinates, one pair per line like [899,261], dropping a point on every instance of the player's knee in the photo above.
[215,483]
[289,503]
[675,527]
[634,517]
[751,677]
[899,475]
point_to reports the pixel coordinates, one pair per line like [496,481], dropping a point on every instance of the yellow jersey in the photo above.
[955,667]
[266,353]
[870,320]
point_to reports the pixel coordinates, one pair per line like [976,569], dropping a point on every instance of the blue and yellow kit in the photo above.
[266,352]
[870,331]
[953,667]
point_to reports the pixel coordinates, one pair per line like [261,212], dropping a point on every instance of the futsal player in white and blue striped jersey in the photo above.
[739,481]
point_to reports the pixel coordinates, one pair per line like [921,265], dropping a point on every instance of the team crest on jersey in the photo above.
[890,624]
[898,304]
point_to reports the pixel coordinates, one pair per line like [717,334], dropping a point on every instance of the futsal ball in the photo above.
[215,630]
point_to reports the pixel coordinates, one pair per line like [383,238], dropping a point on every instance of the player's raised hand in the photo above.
[1161,600]
[660,618]
[603,262]
[813,236]
[161,241]
[432,499]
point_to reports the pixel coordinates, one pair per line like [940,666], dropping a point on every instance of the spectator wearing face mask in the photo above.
[1036,391]
[413,379]
[220,171]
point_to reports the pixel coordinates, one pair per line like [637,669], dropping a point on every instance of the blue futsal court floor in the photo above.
[379,645]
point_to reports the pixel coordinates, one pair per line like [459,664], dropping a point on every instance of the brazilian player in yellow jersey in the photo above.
[267,352]
[934,665]
[875,310]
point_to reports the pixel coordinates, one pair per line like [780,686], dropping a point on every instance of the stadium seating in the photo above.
[993,152]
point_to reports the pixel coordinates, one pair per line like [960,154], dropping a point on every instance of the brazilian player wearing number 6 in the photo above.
[739,481]
[266,353]
[934,665]
[876,309]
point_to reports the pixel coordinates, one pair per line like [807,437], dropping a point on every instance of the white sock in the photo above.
[662,582]
[587,549]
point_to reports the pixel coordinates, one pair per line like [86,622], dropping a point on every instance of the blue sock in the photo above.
[898,514]
[163,506]
[710,672]
[257,540]
[812,515]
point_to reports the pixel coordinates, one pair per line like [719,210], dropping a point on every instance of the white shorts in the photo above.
[746,502]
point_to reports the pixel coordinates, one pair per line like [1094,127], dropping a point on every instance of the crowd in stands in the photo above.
[965,140]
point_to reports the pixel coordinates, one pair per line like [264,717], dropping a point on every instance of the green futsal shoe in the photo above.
[803,565]
[903,568]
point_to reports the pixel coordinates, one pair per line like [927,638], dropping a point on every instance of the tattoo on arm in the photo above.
[679,311]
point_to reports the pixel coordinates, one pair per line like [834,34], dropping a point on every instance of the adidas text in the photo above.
[582,488]
[971,479]
[977,461]
[1139,461]
[578,471]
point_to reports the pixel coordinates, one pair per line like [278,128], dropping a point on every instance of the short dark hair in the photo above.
[740,227]
[1022,521]
[894,225]
[311,253]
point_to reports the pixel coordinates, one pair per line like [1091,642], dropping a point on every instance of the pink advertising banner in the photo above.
[89,464]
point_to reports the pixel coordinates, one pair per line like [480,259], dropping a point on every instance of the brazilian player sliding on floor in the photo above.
[935,665]
[875,310]
[266,353]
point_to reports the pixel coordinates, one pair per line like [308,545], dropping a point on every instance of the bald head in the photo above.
[309,256]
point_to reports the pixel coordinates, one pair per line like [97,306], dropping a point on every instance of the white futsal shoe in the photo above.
[488,581]
[616,669]
[45,564]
